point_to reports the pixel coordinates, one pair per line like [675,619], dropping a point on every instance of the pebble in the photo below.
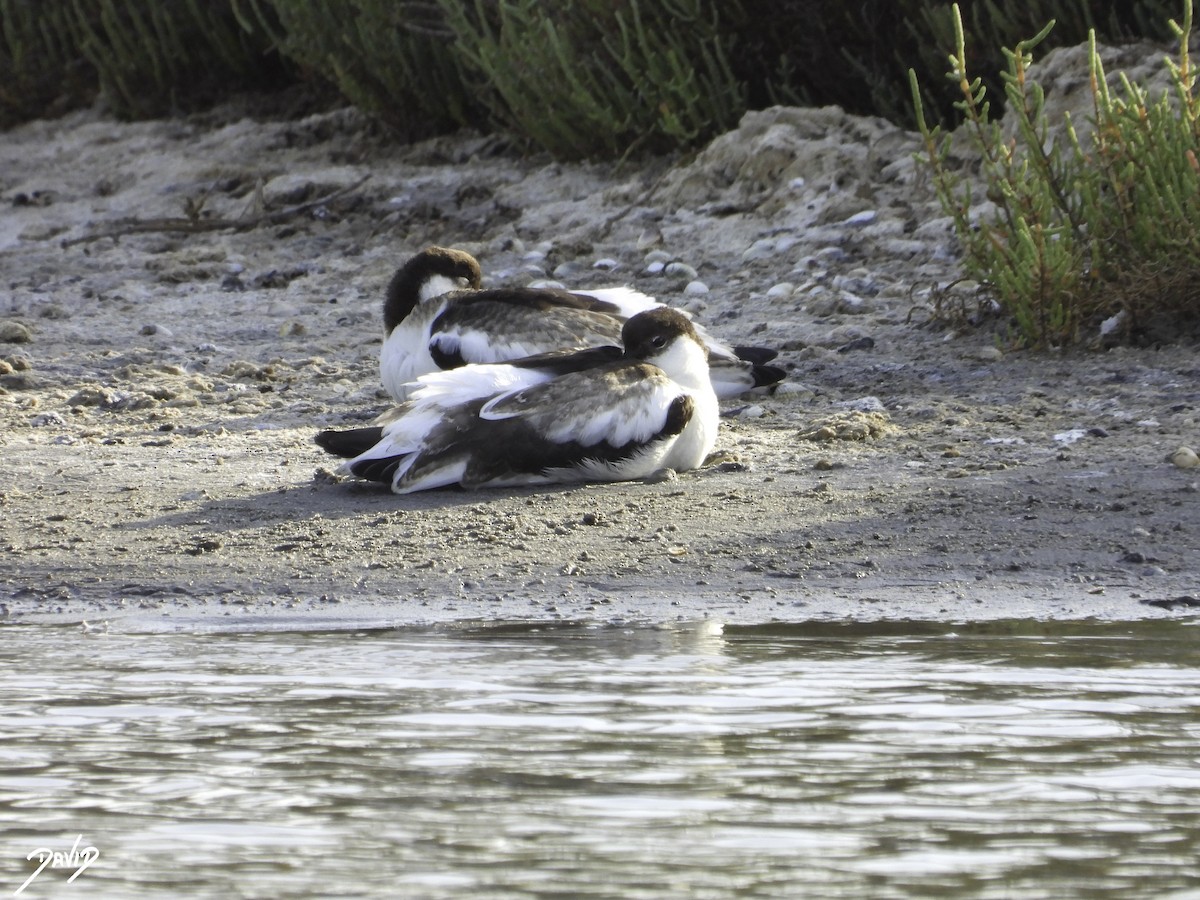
[795,389]
[831,254]
[866,217]
[1185,458]
[696,288]
[160,330]
[566,269]
[760,249]
[857,282]
[547,283]
[781,291]
[649,238]
[989,354]
[851,304]
[860,343]
[862,404]
[658,256]
[1070,437]
[655,268]
[681,270]
[607,263]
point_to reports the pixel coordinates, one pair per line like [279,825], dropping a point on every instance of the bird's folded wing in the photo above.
[622,405]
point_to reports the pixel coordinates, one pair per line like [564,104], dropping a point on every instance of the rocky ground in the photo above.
[160,391]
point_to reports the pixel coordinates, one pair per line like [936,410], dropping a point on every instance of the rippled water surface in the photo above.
[895,760]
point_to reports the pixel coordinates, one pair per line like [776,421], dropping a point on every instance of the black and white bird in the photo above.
[602,414]
[437,316]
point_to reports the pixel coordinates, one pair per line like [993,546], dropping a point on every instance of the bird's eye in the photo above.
[659,341]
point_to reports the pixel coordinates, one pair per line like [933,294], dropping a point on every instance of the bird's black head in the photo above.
[458,269]
[649,333]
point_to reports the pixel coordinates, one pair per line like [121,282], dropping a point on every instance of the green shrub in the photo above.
[1085,231]
[593,78]
[394,60]
[856,55]
[40,69]
[158,56]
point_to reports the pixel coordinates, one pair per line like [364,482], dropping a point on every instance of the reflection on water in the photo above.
[901,760]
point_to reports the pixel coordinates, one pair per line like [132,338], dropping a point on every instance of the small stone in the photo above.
[659,256]
[866,217]
[1070,437]
[794,389]
[1184,458]
[781,291]
[696,288]
[607,264]
[650,237]
[13,332]
[862,404]
[861,343]
[655,268]
[989,354]
[680,270]
[760,249]
[831,254]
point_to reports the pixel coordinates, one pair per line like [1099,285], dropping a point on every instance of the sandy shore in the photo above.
[160,392]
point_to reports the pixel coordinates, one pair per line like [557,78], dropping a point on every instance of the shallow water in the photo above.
[886,760]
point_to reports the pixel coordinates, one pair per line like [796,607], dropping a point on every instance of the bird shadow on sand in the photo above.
[332,499]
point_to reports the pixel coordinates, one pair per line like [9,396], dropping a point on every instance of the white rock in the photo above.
[680,270]
[781,291]
[1070,437]
[763,248]
[655,268]
[866,217]
[794,389]
[606,263]
[1185,458]
[550,283]
[649,238]
[658,256]
[696,288]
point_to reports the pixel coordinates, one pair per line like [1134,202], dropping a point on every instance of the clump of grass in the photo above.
[593,78]
[1085,232]
[396,60]
[40,70]
[158,56]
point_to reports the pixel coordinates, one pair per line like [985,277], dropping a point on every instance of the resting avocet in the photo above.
[436,316]
[602,414]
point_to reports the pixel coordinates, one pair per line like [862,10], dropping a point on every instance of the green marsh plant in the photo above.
[1089,236]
